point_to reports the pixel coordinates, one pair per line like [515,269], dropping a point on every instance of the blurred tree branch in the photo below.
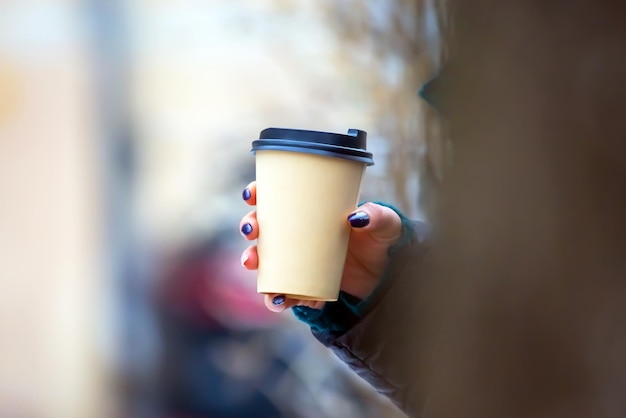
[407,40]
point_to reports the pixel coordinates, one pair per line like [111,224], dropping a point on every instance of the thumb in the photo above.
[381,222]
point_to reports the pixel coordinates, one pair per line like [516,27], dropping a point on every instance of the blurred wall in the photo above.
[49,216]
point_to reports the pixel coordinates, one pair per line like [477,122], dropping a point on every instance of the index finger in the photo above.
[249,194]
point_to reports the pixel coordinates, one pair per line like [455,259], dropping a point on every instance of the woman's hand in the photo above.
[374,229]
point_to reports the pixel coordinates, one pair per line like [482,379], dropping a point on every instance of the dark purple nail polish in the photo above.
[246,194]
[359,219]
[246,229]
[278,300]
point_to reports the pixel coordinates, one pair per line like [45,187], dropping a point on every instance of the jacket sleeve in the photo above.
[379,337]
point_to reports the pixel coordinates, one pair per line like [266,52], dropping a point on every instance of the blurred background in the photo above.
[125,129]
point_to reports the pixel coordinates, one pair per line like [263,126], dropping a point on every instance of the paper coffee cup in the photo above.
[308,183]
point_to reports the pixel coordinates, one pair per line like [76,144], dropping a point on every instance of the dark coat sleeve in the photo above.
[381,342]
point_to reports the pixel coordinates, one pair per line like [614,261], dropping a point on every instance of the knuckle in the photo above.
[373,210]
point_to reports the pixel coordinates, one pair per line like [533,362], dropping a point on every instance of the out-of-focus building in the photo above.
[208,76]
[125,130]
[50,216]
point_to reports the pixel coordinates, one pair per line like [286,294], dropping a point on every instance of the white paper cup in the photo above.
[307,184]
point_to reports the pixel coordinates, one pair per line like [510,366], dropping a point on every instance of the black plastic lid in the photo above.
[351,146]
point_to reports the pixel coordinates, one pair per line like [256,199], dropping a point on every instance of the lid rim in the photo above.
[367,160]
[307,144]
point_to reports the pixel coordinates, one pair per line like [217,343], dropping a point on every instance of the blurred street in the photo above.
[125,130]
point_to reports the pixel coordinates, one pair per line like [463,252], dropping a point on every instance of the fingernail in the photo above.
[246,194]
[246,229]
[359,219]
[244,258]
[278,300]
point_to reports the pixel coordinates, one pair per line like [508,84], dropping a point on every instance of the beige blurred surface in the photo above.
[49,218]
